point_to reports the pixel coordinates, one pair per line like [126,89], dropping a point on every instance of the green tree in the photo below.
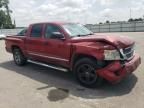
[130,20]
[5,20]
[107,22]
[136,19]
[2,18]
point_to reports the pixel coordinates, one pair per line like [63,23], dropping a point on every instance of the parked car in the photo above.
[70,46]
[2,36]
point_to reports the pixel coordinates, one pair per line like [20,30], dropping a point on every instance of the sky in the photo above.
[26,12]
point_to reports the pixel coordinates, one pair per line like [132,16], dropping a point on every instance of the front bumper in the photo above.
[116,71]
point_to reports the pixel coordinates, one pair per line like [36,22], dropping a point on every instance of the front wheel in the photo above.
[85,72]
[19,58]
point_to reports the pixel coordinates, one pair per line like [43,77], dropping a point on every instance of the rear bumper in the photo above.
[115,71]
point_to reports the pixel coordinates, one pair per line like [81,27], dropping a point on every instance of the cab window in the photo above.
[22,33]
[50,29]
[36,30]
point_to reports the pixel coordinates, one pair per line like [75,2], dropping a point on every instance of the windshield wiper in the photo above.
[79,35]
[85,34]
[91,34]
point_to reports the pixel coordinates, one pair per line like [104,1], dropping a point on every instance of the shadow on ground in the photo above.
[65,85]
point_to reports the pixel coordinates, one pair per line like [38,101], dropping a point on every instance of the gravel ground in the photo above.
[34,86]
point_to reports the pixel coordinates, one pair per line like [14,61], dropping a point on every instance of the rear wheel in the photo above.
[85,72]
[19,58]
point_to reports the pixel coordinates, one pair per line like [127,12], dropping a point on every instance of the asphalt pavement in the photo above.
[34,86]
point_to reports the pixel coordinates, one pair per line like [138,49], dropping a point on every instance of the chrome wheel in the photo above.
[17,57]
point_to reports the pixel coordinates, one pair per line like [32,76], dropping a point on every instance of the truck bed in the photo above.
[14,40]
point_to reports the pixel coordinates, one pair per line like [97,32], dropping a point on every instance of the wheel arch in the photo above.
[18,47]
[15,46]
[79,56]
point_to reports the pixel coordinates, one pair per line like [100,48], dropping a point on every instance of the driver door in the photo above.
[56,50]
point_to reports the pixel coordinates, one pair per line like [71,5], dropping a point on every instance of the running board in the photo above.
[50,66]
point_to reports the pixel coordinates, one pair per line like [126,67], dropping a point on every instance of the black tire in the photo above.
[85,73]
[19,58]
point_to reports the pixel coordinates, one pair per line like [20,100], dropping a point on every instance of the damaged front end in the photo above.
[123,62]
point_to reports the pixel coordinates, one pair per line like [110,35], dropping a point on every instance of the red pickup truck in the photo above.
[70,46]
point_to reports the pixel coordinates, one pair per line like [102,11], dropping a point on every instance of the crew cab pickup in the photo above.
[70,46]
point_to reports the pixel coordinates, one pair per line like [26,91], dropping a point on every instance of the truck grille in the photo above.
[129,52]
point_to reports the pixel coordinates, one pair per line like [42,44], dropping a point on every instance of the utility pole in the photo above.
[130,13]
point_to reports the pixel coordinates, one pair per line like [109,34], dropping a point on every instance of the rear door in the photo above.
[34,42]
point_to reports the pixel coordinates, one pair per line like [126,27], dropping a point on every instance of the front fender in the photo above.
[90,51]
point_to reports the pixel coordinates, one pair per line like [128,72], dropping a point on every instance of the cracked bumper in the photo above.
[115,71]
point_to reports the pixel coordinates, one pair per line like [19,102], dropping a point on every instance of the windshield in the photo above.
[76,30]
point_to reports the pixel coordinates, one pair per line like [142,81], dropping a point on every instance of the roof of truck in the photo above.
[58,23]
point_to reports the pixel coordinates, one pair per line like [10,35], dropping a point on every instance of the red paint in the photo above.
[109,72]
[66,49]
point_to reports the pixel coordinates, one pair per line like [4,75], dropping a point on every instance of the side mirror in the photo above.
[57,35]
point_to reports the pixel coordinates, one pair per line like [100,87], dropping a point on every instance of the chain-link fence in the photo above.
[9,31]
[117,27]
[112,27]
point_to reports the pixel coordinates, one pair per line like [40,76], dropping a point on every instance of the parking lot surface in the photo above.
[34,86]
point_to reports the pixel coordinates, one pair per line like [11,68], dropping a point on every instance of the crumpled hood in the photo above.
[117,41]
